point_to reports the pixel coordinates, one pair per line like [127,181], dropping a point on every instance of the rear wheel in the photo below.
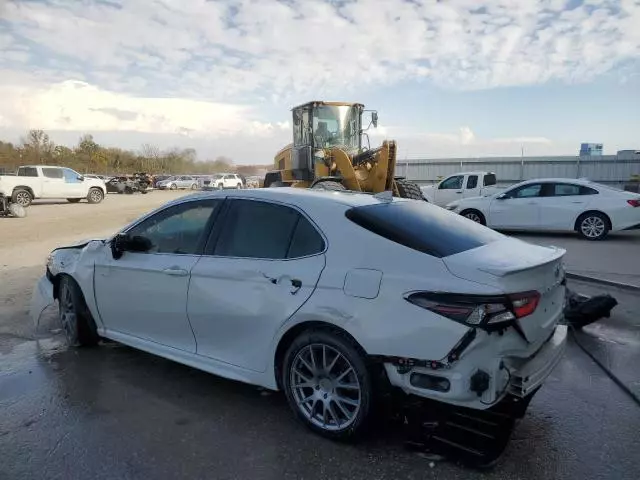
[194,186]
[173,187]
[329,185]
[22,197]
[277,184]
[593,226]
[408,189]
[474,215]
[327,384]
[77,323]
[73,200]
[95,195]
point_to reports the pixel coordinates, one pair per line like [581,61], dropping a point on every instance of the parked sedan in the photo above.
[321,294]
[555,204]
[174,183]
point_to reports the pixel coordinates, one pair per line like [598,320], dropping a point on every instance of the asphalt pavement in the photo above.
[615,258]
[115,413]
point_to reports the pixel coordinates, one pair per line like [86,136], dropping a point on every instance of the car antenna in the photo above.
[386,196]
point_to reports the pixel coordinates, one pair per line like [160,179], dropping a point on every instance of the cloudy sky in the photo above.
[448,78]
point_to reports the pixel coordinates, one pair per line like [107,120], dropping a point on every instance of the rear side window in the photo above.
[52,172]
[472,181]
[306,240]
[565,189]
[490,179]
[28,172]
[423,227]
[588,191]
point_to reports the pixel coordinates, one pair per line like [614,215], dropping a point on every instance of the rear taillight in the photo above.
[476,310]
[524,303]
[634,203]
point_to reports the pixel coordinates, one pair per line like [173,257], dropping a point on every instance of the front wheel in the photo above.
[173,187]
[194,186]
[593,226]
[22,197]
[329,185]
[327,384]
[95,195]
[77,323]
[408,189]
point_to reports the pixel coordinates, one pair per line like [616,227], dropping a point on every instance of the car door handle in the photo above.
[176,272]
[296,285]
[578,203]
[459,191]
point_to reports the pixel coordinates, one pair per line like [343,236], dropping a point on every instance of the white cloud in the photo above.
[190,67]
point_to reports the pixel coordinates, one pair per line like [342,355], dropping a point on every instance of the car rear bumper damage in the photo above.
[477,381]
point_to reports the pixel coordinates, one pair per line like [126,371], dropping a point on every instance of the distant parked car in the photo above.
[555,204]
[459,186]
[181,181]
[226,181]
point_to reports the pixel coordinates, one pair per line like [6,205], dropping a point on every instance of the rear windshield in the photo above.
[423,227]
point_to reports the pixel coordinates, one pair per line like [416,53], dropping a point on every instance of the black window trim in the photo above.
[221,225]
[509,193]
[207,230]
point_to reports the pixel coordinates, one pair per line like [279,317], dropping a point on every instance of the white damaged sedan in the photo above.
[316,293]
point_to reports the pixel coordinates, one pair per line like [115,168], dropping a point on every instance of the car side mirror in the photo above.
[374,119]
[502,196]
[126,243]
[81,178]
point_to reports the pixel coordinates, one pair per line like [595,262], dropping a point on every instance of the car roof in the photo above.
[298,196]
[576,181]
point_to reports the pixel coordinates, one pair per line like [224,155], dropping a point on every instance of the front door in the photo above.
[263,267]
[517,208]
[144,295]
[449,190]
[75,188]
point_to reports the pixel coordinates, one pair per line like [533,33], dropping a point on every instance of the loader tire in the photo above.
[408,189]
[329,185]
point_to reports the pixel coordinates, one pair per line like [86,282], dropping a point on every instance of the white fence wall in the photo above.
[609,169]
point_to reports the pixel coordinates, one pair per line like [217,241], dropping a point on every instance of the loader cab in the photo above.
[320,125]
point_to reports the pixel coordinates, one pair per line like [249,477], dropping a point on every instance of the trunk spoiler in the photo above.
[524,264]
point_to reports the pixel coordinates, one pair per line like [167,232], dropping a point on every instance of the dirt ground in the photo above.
[26,242]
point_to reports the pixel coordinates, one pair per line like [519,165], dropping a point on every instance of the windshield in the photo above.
[336,126]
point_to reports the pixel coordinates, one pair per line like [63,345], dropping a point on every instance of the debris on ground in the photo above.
[582,310]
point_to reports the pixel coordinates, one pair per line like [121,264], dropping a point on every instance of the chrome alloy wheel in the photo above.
[592,227]
[325,387]
[95,195]
[23,198]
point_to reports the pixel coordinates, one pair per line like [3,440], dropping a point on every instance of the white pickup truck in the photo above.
[48,181]
[459,186]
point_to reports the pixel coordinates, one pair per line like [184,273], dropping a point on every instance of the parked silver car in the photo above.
[182,181]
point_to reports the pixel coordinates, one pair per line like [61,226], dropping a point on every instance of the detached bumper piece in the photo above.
[582,310]
[475,438]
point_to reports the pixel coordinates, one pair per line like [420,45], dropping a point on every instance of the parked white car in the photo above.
[555,204]
[48,181]
[226,180]
[459,186]
[318,293]
[178,181]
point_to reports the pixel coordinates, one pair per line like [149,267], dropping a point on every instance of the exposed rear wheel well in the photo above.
[297,330]
[24,187]
[576,226]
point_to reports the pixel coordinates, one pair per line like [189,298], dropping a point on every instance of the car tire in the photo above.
[76,320]
[329,185]
[194,186]
[22,196]
[408,189]
[173,187]
[239,186]
[313,390]
[277,184]
[474,215]
[73,200]
[95,195]
[593,226]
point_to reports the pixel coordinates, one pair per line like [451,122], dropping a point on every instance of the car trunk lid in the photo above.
[514,266]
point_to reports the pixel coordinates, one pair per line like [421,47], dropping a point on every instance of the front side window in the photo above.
[452,183]
[180,229]
[526,191]
[255,229]
[52,172]
[71,176]
[336,125]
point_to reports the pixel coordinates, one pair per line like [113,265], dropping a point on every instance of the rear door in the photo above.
[53,184]
[260,267]
[561,205]
[471,187]
[518,209]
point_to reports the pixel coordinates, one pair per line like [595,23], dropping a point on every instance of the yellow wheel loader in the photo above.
[328,153]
